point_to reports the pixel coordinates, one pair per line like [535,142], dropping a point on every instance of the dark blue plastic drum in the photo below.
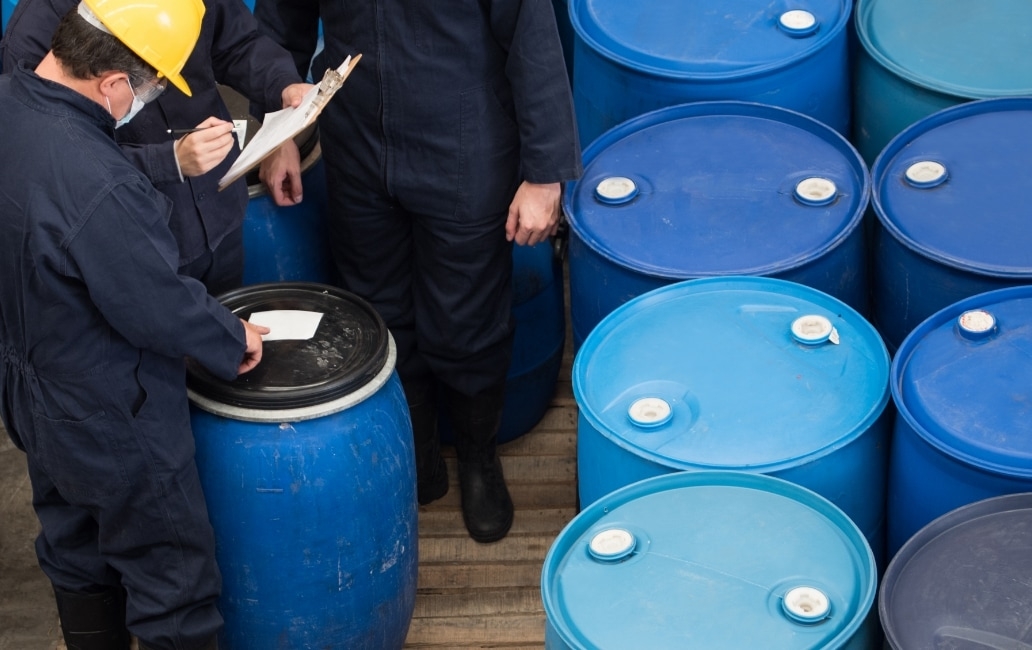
[714,189]
[308,469]
[710,560]
[634,57]
[750,374]
[962,385]
[952,207]
[289,243]
[962,581]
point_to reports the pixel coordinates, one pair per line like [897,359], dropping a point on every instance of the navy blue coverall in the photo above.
[95,323]
[229,51]
[452,106]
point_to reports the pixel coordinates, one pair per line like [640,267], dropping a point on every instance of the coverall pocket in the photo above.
[489,149]
[81,457]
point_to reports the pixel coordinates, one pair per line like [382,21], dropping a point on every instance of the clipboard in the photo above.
[282,125]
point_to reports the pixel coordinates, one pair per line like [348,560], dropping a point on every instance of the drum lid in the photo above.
[349,347]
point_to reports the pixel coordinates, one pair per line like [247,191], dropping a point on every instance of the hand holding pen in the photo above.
[207,145]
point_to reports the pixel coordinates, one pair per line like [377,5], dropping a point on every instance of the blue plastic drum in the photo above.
[751,374]
[962,385]
[537,351]
[917,57]
[634,57]
[951,200]
[710,560]
[6,11]
[714,189]
[962,581]
[308,468]
[289,243]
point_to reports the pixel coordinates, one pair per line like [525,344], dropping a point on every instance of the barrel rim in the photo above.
[902,140]
[631,64]
[586,410]
[925,82]
[300,414]
[721,108]
[910,344]
[930,532]
[591,514]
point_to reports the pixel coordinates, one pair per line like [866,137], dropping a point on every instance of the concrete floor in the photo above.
[28,616]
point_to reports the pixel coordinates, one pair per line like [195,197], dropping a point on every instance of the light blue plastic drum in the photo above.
[710,560]
[289,243]
[952,207]
[308,469]
[917,57]
[751,374]
[632,58]
[962,581]
[962,386]
[714,189]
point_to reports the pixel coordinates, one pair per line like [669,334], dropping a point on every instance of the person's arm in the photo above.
[550,147]
[127,256]
[294,25]
[247,61]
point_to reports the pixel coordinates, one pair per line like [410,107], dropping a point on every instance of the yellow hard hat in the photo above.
[161,32]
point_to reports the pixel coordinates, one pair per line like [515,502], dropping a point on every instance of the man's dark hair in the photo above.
[86,52]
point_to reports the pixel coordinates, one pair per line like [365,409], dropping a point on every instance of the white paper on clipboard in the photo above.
[281,125]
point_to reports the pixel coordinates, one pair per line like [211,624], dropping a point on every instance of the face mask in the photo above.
[136,107]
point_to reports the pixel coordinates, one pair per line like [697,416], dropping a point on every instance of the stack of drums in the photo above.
[750,374]
[963,581]
[308,470]
[962,385]
[632,58]
[920,56]
[710,560]
[952,212]
[715,189]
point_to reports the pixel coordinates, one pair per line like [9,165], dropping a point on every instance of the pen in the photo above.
[187,131]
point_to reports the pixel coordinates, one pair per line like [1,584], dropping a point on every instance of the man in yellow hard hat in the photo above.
[95,324]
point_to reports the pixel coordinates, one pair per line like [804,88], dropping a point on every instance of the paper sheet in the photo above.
[279,126]
[287,324]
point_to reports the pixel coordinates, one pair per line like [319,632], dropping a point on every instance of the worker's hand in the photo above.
[200,152]
[253,351]
[294,93]
[281,173]
[533,213]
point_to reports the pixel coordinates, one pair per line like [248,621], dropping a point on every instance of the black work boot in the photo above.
[487,507]
[93,621]
[431,472]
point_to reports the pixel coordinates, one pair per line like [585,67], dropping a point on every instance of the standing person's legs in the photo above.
[464,327]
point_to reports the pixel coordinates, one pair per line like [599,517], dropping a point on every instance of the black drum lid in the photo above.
[349,349]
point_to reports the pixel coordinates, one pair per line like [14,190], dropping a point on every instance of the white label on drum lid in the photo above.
[287,324]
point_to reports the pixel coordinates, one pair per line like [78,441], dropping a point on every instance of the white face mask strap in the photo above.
[91,17]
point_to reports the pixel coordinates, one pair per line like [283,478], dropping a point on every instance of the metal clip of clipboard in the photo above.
[331,81]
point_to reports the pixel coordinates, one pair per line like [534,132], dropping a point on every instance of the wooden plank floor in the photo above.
[474,595]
